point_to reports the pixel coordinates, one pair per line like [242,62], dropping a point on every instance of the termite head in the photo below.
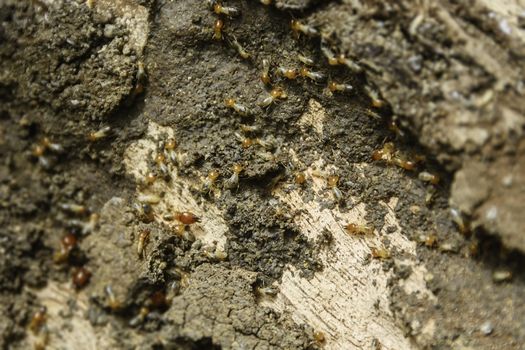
[170,144]
[237,168]
[229,102]
[213,174]
[278,92]
[333,181]
[299,178]
[81,277]
[38,319]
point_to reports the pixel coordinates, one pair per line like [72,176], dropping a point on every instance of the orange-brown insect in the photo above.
[225,10]
[333,181]
[74,208]
[377,102]
[67,244]
[265,74]
[81,277]
[233,181]
[142,241]
[276,94]
[160,160]
[186,217]
[336,87]
[315,76]
[356,229]
[380,253]
[99,134]
[231,103]
[428,177]
[209,181]
[38,320]
[298,28]
[405,164]
[113,302]
[150,178]
[169,149]
[288,73]
[388,154]
[217,30]
[319,337]
[463,225]
[299,178]
[240,50]
[52,146]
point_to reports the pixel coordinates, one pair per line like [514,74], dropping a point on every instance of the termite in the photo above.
[265,74]
[380,253]
[99,134]
[169,148]
[315,76]
[428,177]
[237,107]
[276,94]
[225,10]
[186,217]
[305,60]
[333,87]
[298,27]
[142,241]
[289,73]
[233,181]
[240,50]
[217,30]
[332,183]
[356,229]
[209,181]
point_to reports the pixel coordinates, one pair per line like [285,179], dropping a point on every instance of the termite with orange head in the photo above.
[217,30]
[246,142]
[376,100]
[240,50]
[225,10]
[404,163]
[428,177]
[99,134]
[52,146]
[112,301]
[356,229]
[288,73]
[265,73]
[353,66]
[237,107]
[74,208]
[333,181]
[380,253]
[275,95]
[336,87]
[386,153]
[315,76]
[209,181]
[169,149]
[160,160]
[142,241]
[233,181]
[298,28]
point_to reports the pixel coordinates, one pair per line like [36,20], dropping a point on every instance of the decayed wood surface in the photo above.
[348,300]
